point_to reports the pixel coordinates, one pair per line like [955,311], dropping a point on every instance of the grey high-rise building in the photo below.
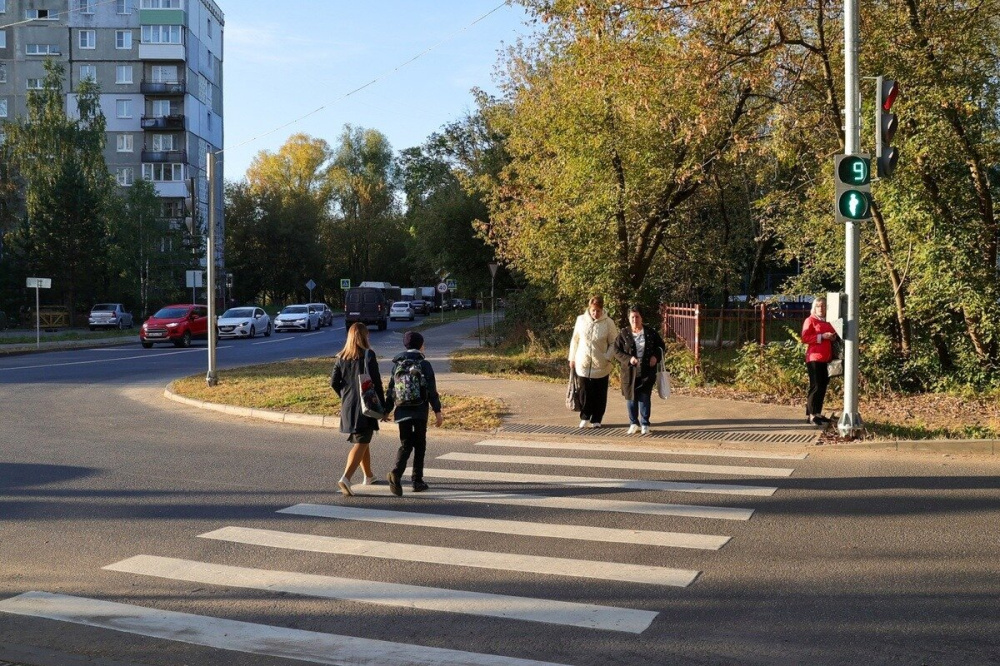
[159,67]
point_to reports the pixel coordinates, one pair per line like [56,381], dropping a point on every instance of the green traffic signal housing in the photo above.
[886,123]
[852,174]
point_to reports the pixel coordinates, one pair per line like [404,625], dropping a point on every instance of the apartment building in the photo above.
[158,64]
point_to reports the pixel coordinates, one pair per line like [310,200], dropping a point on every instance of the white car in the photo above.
[401,310]
[297,318]
[244,322]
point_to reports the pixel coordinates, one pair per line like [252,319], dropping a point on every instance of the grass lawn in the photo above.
[302,386]
[29,336]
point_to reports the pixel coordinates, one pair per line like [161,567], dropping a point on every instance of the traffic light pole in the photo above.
[850,423]
[211,379]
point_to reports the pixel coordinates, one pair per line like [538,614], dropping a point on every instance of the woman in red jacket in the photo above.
[818,334]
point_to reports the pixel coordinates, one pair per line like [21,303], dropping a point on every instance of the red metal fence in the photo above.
[699,327]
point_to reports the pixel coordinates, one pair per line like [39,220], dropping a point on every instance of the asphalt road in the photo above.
[847,557]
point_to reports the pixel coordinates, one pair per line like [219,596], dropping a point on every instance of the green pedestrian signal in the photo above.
[853,177]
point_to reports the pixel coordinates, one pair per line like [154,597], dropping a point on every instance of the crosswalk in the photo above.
[549,508]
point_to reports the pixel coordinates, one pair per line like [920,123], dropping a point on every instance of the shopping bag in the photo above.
[574,392]
[371,406]
[662,380]
[835,368]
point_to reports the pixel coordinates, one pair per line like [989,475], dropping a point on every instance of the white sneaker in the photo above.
[585,423]
[595,425]
[632,429]
[645,430]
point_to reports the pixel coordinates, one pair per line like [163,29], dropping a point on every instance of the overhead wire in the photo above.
[378,78]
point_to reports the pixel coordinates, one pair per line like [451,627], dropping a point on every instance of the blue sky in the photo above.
[285,59]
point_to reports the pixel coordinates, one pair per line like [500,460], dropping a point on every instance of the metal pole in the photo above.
[850,421]
[38,319]
[211,378]
[493,312]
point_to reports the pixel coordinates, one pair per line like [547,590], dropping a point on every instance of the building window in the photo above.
[172,209]
[123,73]
[88,72]
[124,6]
[208,27]
[3,72]
[88,39]
[36,84]
[3,37]
[125,176]
[161,34]
[125,143]
[161,108]
[42,49]
[123,39]
[209,121]
[123,108]
[163,142]
[165,74]
[3,6]
[85,6]
[163,172]
[40,15]
[161,4]
[3,108]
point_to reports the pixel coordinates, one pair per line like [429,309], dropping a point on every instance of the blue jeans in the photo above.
[638,408]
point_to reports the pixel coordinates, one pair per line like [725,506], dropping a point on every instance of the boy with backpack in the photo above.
[411,391]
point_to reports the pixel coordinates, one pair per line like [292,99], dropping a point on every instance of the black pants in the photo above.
[818,380]
[412,437]
[595,399]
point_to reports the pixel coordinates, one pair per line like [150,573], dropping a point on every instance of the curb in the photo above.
[30,348]
[982,447]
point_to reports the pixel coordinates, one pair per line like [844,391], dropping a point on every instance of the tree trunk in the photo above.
[905,340]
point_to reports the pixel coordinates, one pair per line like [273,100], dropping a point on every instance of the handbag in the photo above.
[835,368]
[574,392]
[662,379]
[371,406]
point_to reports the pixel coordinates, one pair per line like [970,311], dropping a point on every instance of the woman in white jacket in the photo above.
[590,354]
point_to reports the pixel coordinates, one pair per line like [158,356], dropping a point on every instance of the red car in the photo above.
[178,324]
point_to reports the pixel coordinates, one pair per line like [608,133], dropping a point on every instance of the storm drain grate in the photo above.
[694,435]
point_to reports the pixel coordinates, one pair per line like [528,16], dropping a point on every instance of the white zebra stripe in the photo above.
[602,463]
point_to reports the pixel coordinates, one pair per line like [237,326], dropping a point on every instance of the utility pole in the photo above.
[850,420]
[211,379]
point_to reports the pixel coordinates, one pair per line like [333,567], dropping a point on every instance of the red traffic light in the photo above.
[890,89]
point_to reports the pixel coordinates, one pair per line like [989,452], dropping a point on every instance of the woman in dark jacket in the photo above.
[638,349]
[354,359]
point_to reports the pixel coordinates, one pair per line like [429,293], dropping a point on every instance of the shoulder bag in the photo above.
[371,406]
[662,379]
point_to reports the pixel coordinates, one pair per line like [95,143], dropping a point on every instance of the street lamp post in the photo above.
[493,301]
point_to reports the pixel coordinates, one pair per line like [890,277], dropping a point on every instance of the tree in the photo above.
[68,187]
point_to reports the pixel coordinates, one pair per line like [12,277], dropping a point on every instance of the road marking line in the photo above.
[248,637]
[521,528]
[145,355]
[271,342]
[620,464]
[460,557]
[582,446]
[589,616]
[574,503]
[592,482]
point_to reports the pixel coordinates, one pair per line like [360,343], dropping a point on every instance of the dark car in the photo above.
[178,324]
[419,306]
[367,305]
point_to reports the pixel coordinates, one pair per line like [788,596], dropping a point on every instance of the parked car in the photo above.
[325,314]
[467,304]
[109,315]
[419,307]
[297,318]
[244,322]
[367,305]
[457,304]
[178,324]
[401,310]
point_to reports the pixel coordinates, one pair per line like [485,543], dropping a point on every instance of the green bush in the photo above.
[777,368]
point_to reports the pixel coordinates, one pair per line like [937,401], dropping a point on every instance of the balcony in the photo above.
[163,122]
[158,88]
[164,156]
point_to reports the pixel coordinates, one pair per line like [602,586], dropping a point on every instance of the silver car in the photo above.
[245,322]
[297,318]
[109,315]
[325,314]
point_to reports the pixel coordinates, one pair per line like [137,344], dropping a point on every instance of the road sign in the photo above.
[345,283]
[310,285]
[39,283]
[452,284]
[442,288]
[493,268]
[195,279]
